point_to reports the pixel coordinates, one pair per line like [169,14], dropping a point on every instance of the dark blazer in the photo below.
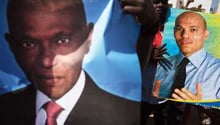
[94,107]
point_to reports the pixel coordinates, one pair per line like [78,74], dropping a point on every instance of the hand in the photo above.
[184,94]
[142,10]
[157,55]
[156,89]
[159,51]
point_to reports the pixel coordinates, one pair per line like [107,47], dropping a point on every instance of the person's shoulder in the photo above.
[14,96]
[168,64]
[212,65]
[173,57]
[101,103]
[102,94]
[211,60]
[17,106]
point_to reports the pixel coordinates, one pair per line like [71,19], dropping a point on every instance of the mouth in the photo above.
[183,43]
[49,80]
[159,9]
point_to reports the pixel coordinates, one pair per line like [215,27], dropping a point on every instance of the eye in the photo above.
[63,40]
[193,29]
[28,44]
[156,1]
[178,29]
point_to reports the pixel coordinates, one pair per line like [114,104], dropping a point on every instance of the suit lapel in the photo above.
[81,107]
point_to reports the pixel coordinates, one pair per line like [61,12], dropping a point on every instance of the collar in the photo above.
[195,59]
[68,100]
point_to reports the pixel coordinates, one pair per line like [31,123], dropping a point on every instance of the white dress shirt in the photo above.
[67,102]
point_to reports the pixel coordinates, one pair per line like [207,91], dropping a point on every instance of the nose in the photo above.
[184,34]
[46,57]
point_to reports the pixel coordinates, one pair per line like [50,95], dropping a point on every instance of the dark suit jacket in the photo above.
[94,107]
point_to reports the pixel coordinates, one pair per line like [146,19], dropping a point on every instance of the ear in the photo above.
[206,34]
[89,38]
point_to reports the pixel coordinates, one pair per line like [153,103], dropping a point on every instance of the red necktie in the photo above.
[52,109]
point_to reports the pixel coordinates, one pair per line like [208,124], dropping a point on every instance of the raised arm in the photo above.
[142,10]
[146,15]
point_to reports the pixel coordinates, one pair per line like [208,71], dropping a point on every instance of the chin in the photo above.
[54,96]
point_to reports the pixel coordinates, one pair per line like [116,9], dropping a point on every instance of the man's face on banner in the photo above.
[190,33]
[50,47]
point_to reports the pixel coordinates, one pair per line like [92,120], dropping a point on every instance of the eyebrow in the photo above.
[60,34]
[189,26]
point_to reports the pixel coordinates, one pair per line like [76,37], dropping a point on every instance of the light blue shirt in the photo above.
[202,68]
